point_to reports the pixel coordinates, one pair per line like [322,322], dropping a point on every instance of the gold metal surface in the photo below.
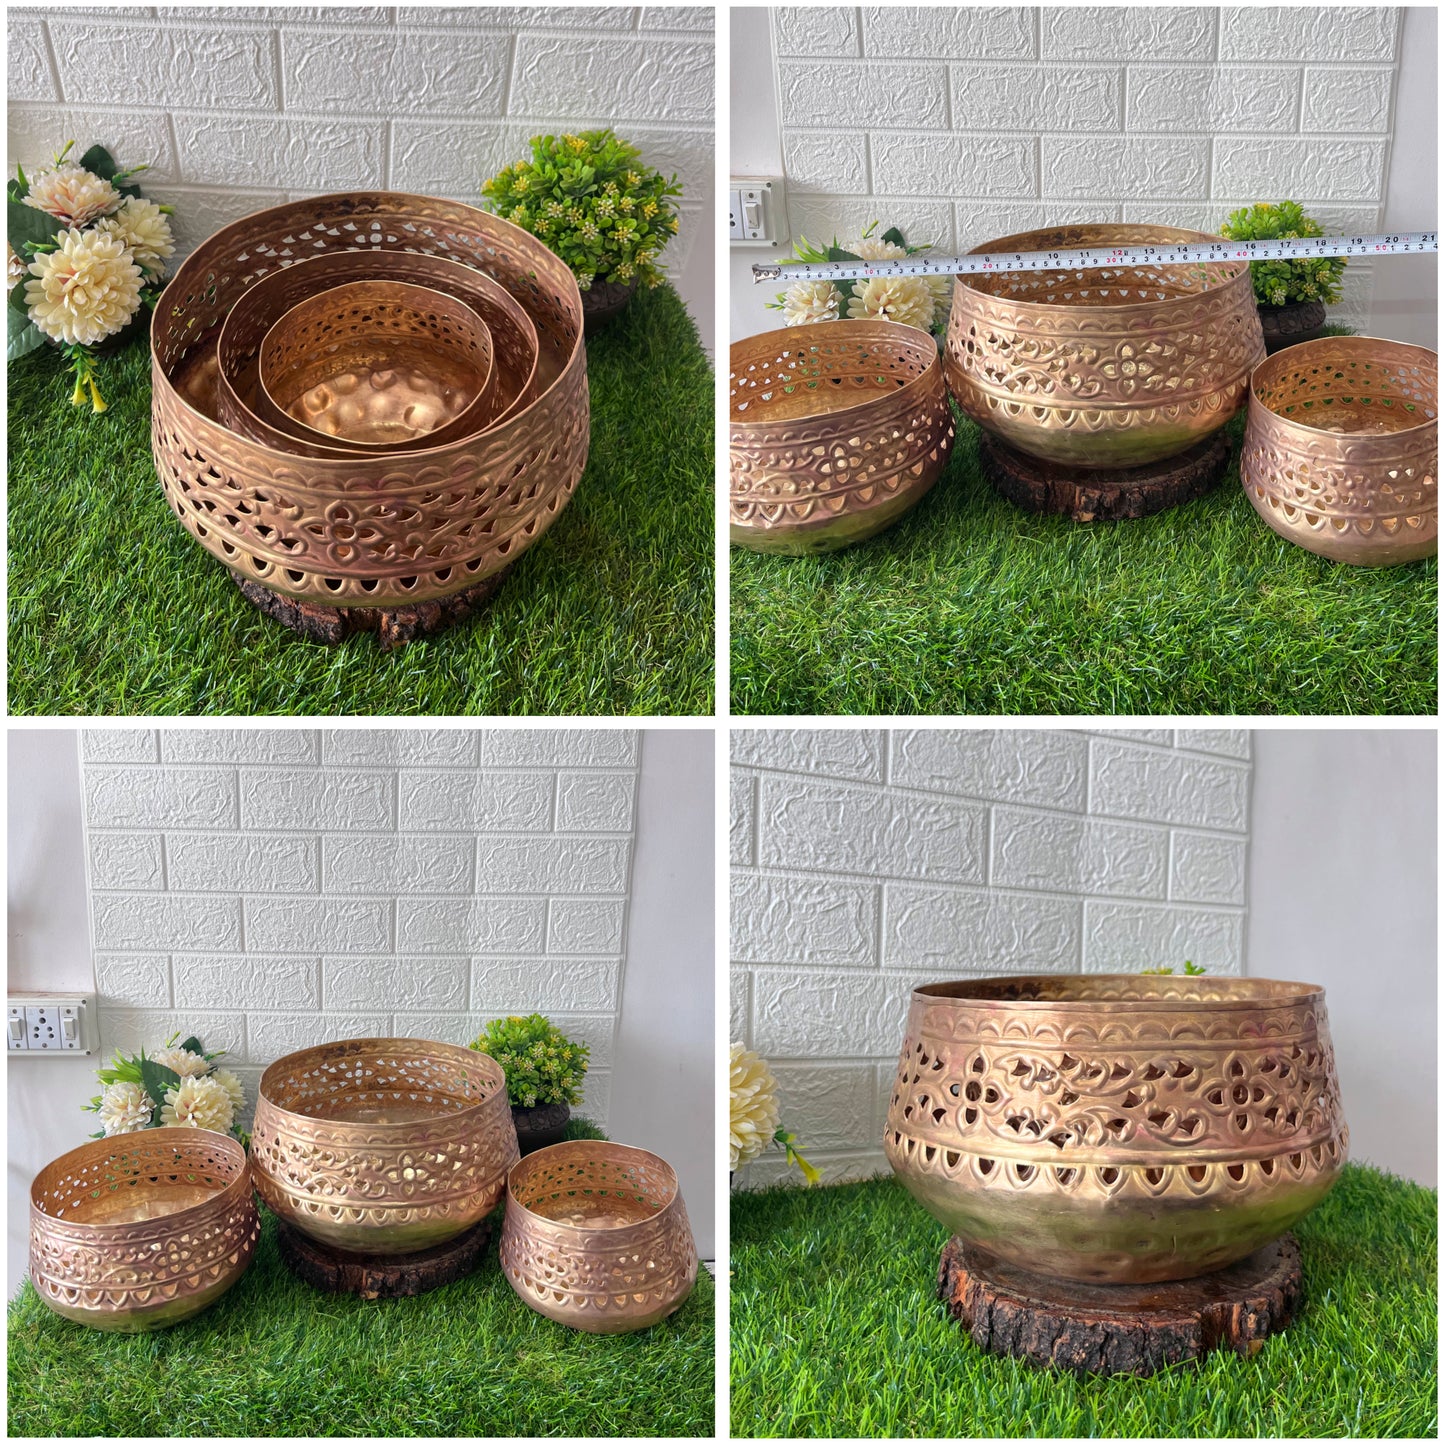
[1341,449]
[141,1230]
[383,363]
[367,531]
[835,431]
[383,1146]
[596,1236]
[1117,1128]
[1103,368]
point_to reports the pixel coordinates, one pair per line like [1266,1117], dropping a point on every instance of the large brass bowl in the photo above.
[1341,449]
[596,1236]
[383,1146]
[1103,368]
[1116,1128]
[142,1230]
[835,431]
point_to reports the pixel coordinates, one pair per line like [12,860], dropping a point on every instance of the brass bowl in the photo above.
[382,363]
[1341,452]
[1115,1128]
[382,1146]
[142,1230]
[835,431]
[240,401]
[1103,368]
[596,1236]
[356,530]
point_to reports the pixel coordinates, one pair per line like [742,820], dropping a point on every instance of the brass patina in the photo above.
[1116,1128]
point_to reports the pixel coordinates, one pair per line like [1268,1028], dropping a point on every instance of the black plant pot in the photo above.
[1290,324]
[602,301]
[539,1127]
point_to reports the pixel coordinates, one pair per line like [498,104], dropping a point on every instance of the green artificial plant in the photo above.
[1189,968]
[1278,283]
[542,1065]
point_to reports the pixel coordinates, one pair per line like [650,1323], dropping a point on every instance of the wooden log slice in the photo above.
[394,626]
[1119,1329]
[1103,494]
[382,1276]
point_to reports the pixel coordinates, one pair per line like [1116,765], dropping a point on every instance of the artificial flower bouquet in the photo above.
[753,1122]
[921,301]
[85,252]
[177,1086]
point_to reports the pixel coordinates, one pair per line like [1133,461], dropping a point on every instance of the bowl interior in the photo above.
[1352,384]
[593,1185]
[1112,988]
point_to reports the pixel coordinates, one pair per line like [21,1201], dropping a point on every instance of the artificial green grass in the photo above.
[971,605]
[836,1330]
[115,609]
[276,1357]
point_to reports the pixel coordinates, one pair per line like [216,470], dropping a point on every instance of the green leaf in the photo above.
[157,1079]
[24,223]
[21,183]
[895,237]
[22,336]
[16,299]
[193,1044]
[99,162]
[837,253]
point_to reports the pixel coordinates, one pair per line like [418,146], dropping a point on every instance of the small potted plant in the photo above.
[1291,295]
[544,1070]
[590,199]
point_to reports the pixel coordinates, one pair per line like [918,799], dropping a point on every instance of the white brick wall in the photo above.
[240,107]
[867,862]
[963,124]
[271,889]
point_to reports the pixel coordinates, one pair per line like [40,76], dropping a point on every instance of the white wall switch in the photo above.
[755,212]
[50,1023]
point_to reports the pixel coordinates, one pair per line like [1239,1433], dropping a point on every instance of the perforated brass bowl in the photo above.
[1103,368]
[1341,449]
[1117,1128]
[142,1230]
[835,431]
[383,1146]
[383,363]
[596,1236]
[357,530]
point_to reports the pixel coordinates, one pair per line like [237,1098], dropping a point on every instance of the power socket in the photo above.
[58,1023]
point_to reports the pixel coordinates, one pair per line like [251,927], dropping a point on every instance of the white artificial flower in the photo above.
[234,1092]
[145,230]
[807,302]
[754,1116]
[905,299]
[15,268]
[72,194]
[874,248]
[84,291]
[124,1108]
[198,1103]
[187,1064]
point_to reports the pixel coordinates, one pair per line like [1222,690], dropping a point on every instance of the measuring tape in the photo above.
[1184,253]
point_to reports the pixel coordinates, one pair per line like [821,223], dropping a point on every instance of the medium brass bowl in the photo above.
[596,1236]
[1341,449]
[1103,368]
[835,431]
[1115,1128]
[382,1146]
[142,1230]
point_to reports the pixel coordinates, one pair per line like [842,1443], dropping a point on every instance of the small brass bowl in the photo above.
[596,1236]
[381,363]
[142,1230]
[1115,1128]
[1103,368]
[835,431]
[382,1146]
[1341,450]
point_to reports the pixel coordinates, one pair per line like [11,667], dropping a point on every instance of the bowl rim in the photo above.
[857,409]
[1117,308]
[240,1185]
[1281,993]
[460,1051]
[1350,343]
[581,1146]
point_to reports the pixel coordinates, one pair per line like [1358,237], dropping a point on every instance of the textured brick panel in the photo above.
[119,745]
[123,797]
[359,863]
[1346,100]
[165,921]
[915,161]
[217,148]
[201,212]
[828,1106]
[943,932]
[949,32]
[1356,32]
[1097,32]
[595,802]
[1076,97]
[546,985]
[806,922]
[1018,767]
[821,218]
[461,1028]
[596,1097]
[315,925]
[1127,937]
[310,799]
[245,982]
[1078,855]
[560,747]
[696,18]
[515,17]
[126,860]
[27,68]
[552,865]
[628,79]
[837,828]
[242,863]
[743,792]
[128,1030]
[739,1006]
[464,926]
[815,30]
[817,1016]
[271,1036]
[486,802]
[826,161]
[135,137]
[1168,788]
[1330,170]
[387,983]
[410,747]
[981,221]
[832,752]
[905,94]
[1090,166]
[585,925]
[142,980]
[1227,742]
[239,745]
[1226,99]
[1163,737]
[1207,869]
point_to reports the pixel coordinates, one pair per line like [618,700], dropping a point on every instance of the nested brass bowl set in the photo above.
[1117,1129]
[339,517]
